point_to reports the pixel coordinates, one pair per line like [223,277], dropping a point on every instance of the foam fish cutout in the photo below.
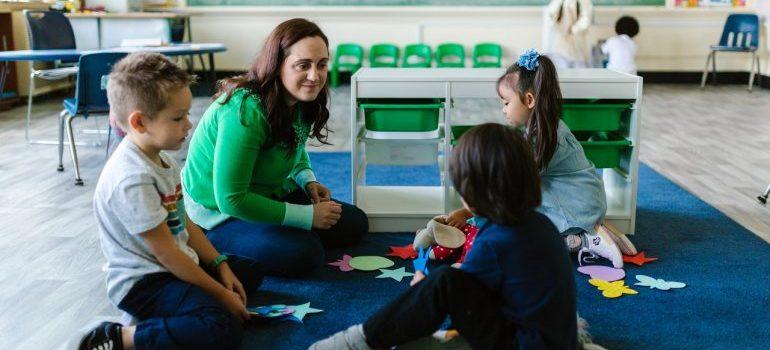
[657,283]
[612,289]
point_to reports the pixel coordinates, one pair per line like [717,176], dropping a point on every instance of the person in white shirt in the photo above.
[569,21]
[621,48]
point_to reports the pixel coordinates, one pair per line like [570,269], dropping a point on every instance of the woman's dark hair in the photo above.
[627,25]
[543,83]
[264,79]
[493,170]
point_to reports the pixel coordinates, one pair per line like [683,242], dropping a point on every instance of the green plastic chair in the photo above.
[383,55]
[348,58]
[487,55]
[417,56]
[450,55]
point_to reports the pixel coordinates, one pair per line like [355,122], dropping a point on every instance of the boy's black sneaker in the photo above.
[106,336]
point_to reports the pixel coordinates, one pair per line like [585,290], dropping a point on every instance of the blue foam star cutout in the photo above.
[301,310]
[397,274]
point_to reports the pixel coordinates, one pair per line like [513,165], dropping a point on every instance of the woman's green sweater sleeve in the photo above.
[239,140]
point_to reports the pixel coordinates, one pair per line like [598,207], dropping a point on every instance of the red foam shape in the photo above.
[406,252]
[638,259]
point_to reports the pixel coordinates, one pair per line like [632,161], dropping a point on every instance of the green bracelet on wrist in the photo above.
[217,261]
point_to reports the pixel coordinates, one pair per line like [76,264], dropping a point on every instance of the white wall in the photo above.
[670,39]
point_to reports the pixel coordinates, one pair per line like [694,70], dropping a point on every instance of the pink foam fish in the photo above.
[343,264]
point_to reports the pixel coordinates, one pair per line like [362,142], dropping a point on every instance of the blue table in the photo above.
[74,55]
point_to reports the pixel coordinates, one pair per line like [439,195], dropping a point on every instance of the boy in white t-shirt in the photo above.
[621,48]
[161,269]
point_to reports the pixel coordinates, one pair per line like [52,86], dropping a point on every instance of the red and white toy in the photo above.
[446,242]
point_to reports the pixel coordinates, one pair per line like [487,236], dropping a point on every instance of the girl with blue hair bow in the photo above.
[573,193]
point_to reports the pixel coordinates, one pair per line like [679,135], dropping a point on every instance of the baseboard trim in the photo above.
[727,77]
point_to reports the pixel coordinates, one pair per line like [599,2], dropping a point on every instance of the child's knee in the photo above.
[444,273]
[225,331]
[447,276]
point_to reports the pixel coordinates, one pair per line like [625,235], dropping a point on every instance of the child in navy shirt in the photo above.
[515,289]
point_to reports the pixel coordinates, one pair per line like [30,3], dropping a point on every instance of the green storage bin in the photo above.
[605,154]
[593,116]
[459,130]
[402,115]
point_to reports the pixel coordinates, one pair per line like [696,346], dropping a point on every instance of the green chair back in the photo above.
[417,56]
[487,55]
[450,55]
[383,55]
[349,57]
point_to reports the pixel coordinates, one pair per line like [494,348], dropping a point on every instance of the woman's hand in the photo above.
[326,214]
[318,193]
[231,282]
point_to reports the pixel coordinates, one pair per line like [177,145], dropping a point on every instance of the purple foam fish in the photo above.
[602,272]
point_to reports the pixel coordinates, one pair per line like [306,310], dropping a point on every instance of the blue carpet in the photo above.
[724,306]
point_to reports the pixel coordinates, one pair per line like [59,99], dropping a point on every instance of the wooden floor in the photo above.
[714,143]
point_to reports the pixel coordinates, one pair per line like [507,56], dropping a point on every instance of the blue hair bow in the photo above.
[528,60]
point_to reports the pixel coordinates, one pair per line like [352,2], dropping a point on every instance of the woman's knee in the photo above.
[359,222]
[352,227]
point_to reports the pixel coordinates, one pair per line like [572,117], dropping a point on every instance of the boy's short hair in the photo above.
[627,25]
[493,169]
[142,81]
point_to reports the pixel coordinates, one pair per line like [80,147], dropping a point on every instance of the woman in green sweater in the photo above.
[248,180]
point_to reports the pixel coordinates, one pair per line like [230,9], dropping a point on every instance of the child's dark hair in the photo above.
[492,168]
[543,83]
[627,25]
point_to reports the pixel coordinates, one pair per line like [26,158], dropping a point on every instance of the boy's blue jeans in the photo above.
[287,251]
[173,314]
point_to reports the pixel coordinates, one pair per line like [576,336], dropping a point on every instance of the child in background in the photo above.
[516,288]
[573,193]
[153,250]
[621,48]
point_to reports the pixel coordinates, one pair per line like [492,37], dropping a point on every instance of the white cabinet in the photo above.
[407,208]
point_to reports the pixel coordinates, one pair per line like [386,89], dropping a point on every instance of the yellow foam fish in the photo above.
[612,289]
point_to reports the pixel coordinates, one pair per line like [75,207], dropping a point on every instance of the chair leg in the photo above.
[705,71]
[61,139]
[74,151]
[29,106]
[714,68]
[763,198]
[203,65]
[751,75]
[334,79]
[759,73]
[109,137]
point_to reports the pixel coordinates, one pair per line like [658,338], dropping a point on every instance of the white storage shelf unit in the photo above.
[407,208]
